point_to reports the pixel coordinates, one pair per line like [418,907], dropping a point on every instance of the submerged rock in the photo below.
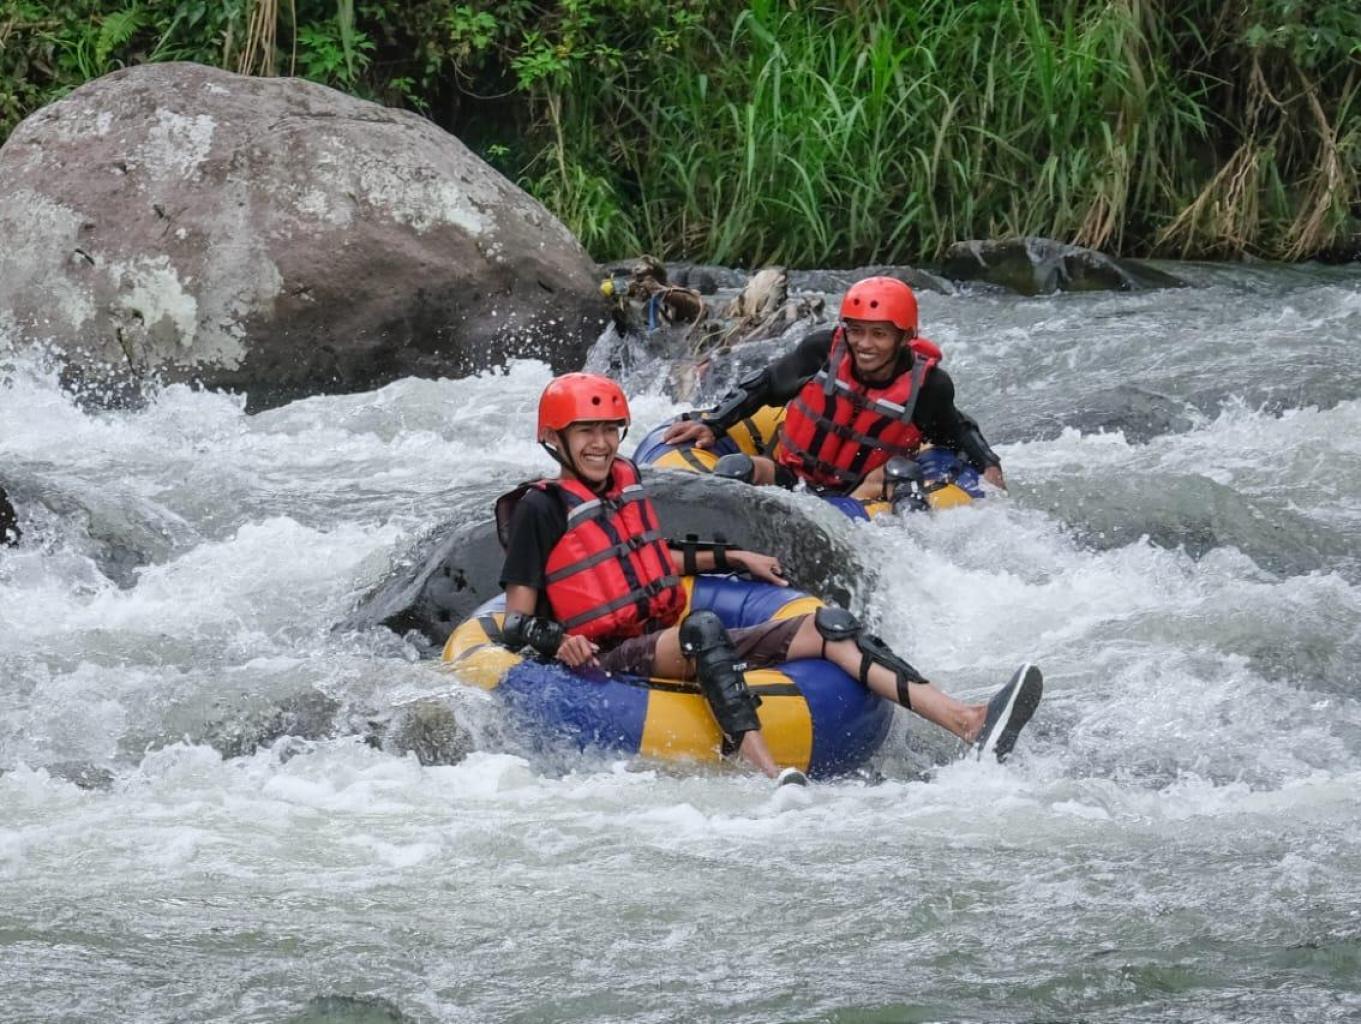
[439,588]
[834,282]
[9,522]
[709,279]
[706,278]
[253,721]
[1038,266]
[723,370]
[242,723]
[817,557]
[427,728]
[120,530]
[343,1009]
[434,592]
[1136,412]
[1189,512]
[81,774]
[273,236]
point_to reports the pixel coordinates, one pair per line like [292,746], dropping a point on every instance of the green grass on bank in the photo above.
[831,133]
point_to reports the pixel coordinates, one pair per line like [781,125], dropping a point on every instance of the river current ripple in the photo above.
[1178,837]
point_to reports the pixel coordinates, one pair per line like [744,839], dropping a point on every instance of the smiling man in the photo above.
[856,396]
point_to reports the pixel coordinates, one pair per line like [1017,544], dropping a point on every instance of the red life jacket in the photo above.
[837,429]
[610,576]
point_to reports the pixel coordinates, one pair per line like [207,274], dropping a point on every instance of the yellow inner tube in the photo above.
[678,724]
[758,433]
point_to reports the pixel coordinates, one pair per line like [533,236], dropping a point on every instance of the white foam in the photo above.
[1196,756]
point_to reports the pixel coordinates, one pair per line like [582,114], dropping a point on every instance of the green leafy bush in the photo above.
[822,132]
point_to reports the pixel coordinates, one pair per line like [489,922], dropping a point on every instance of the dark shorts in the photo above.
[758,646]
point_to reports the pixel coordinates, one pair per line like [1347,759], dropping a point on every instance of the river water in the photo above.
[1178,837]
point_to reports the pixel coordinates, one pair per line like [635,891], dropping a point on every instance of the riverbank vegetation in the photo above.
[825,133]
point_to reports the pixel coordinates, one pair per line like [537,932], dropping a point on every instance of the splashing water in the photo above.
[1178,837]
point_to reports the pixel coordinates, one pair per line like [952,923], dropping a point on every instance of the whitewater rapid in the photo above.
[1178,837]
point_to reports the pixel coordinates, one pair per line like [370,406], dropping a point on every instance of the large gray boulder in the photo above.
[1038,266]
[276,237]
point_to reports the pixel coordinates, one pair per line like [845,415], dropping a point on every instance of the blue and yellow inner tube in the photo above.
[813,715]
[950,480]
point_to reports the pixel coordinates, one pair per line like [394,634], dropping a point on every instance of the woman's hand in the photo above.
[695,432]
[993,475]
[576,651]
[763,567]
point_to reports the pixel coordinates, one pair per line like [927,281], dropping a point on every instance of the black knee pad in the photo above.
[736,466]
[703,638]
[905,484]
[785,477]
[835,624]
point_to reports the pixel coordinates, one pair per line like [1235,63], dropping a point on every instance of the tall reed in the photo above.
[822,131]
[886,134]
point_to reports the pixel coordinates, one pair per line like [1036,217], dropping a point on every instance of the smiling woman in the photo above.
[588,568]
[582,419]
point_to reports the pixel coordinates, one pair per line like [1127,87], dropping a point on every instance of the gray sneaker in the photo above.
[791,777]
[1008,712]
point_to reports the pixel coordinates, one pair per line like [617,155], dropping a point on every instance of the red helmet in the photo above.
[881,298]
[581,397]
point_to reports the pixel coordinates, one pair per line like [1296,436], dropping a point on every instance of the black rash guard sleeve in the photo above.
[536,526]
[779,382]
[946,426]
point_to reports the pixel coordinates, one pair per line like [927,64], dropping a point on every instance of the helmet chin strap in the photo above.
[565,461]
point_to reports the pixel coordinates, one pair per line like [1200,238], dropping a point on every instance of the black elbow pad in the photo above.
[692,545]
[520,631]
[735,403]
